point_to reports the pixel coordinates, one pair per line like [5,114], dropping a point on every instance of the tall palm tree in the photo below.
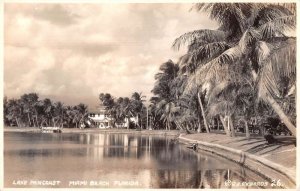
[28,101]
[14,112]
[166,92]
[48,110]
[5,110]
[82,111]
[168,111]
[136,105]
[190,109]
[123,110]
[58,114]
[249,33]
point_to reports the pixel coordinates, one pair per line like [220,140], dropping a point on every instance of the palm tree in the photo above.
[106,100]
[122,109]
[48,110]
[249,33]
[28,101]
[168,72]
[14,112]
[58,113]
[166,92]
[82,111]
[29,110]
[136,105]
[5,111]
[190,109]
[69,115]
[168,111]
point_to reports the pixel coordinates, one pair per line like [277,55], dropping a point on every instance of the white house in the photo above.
[101,118]
[104,120]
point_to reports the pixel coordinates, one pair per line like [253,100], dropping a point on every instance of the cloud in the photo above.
[89,48]
[73,52]
[55,14]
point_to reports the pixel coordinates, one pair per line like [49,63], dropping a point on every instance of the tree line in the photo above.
[122,108]
[30,111]
[241,74]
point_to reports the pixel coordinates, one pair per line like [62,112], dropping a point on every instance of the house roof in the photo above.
[98,109]
[102,120]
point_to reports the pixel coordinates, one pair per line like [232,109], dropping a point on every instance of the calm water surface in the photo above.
[114,160]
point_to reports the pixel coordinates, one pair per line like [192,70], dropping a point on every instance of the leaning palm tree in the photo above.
[252,34]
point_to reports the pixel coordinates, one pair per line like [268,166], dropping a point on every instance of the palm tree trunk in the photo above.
[222,119]
[18,124]
[178,125]
[284,118]
[199,126]
[231,126]
[203,114]
[36,120]
[228,125]
[128,122]
[246,128]
[28,119]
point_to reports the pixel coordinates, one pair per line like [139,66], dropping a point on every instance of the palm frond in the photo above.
[204,36]
[216,70]
[283,59]
[208,51]
[278,63]
[277,26]
[269,12]
[232,17]
[221,107]
[211,72]
[266,82]
[248,38]
[230,55]
[262,51]
[217,90]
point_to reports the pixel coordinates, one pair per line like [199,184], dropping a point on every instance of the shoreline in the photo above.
[270,161]
[265,165]
[173,133]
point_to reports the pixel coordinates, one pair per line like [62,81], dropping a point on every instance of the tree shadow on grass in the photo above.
[280,142]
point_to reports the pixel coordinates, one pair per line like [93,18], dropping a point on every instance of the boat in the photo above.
[51,129]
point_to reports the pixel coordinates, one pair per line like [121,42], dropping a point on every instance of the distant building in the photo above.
[104,120]
[101,117]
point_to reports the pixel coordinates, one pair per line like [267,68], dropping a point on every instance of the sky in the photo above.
[74,52]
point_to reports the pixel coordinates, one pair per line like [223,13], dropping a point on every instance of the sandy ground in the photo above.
[283,152]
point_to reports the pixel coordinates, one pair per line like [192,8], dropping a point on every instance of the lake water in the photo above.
[70,160]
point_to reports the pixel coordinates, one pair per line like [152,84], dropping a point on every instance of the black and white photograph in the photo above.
[154,95]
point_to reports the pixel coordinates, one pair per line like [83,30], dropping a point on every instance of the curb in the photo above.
[259,165]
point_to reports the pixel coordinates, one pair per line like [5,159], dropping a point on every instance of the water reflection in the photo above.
[154,162]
